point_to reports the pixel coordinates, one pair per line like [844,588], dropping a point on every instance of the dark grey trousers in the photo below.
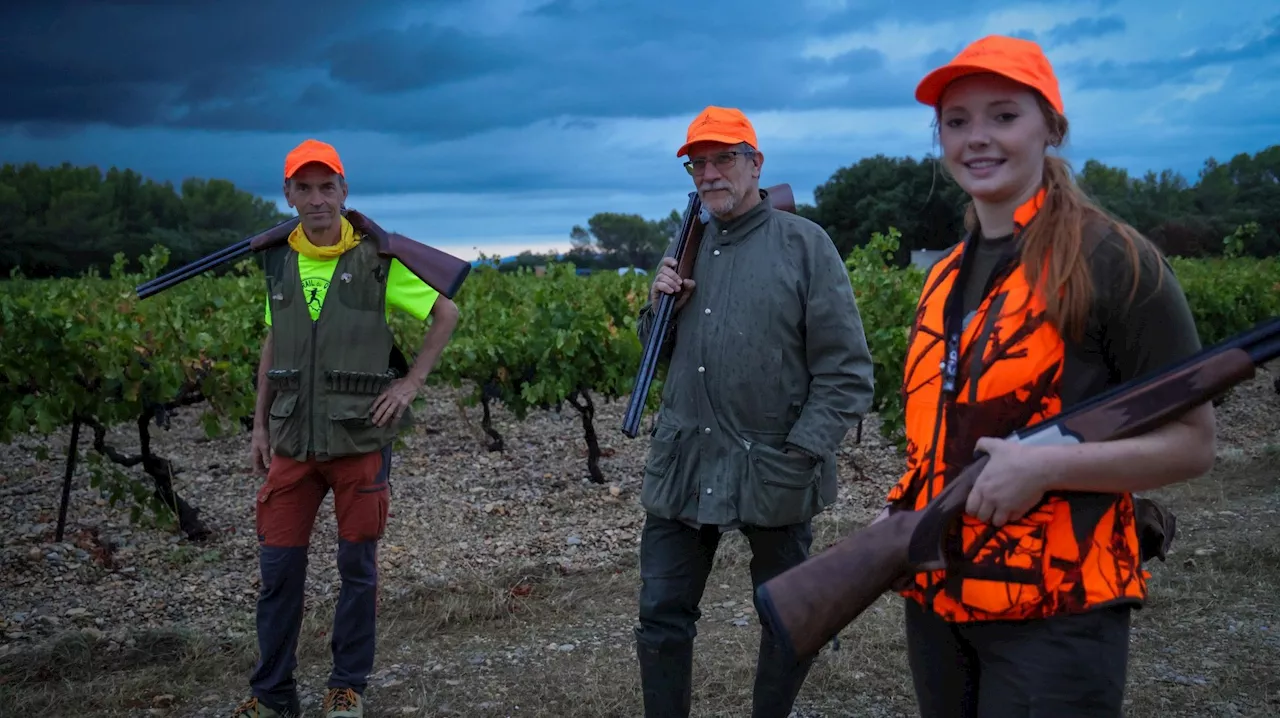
[675,560]
[1057,667]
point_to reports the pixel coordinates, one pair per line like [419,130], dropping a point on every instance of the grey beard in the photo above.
[724,204]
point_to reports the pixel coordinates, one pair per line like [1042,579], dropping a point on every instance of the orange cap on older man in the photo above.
[719,124]
[312,151]
[1017,59]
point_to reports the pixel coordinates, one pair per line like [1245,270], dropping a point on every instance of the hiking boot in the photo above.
[343,703]
[253,708]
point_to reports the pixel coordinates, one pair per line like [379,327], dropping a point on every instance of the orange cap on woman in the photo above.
[1017,59]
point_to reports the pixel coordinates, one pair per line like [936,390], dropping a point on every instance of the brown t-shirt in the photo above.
[1123,340]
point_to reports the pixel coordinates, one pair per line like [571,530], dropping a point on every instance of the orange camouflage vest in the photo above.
[1069,553]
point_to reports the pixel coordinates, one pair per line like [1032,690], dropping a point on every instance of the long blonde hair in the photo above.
[1053,252]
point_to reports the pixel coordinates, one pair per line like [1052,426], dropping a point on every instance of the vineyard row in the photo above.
[87,352]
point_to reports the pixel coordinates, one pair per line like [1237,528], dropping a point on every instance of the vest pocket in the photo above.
[781,488]
[351,428]
[286,435]
[362,283]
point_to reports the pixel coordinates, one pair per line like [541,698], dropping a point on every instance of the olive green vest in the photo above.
[327,373]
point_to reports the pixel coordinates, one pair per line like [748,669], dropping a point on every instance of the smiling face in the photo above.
[994,134]
[318,193]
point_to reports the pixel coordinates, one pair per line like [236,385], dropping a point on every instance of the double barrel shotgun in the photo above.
[809,604]
[441,271]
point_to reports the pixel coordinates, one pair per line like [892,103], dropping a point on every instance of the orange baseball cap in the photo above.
[312,151]
[719,124]
[1019,60]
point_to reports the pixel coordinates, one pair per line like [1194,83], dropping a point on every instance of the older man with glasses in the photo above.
[768,369]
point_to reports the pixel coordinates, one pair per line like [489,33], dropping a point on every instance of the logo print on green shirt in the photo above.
[314,289]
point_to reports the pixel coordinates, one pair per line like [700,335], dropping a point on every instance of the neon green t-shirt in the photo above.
[404,290]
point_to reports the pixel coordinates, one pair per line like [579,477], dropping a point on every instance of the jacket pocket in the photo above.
[286,434]
[781,488]
[665,490]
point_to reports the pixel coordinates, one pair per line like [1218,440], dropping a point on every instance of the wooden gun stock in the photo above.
[442,272]
[809,604]
[686,253]
[781,197]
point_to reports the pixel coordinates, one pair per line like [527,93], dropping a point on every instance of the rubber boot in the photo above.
[666,679]
[778,680]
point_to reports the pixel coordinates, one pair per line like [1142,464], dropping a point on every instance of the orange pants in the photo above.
[287,506]
[290,499]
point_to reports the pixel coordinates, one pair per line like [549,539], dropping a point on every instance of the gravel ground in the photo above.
[458,512]
[477,536]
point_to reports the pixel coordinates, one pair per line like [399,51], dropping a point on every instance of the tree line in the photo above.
[59,221]
[1230,203]
[1233,204]
[62,220]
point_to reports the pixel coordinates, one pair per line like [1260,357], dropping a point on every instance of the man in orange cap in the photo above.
[333,394]
[768,369]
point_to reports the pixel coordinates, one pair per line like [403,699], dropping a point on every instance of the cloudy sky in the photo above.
[499,124]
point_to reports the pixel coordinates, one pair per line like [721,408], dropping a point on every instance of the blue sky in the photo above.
[499,124]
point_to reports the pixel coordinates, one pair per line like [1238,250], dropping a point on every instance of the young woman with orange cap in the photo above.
[1047,301]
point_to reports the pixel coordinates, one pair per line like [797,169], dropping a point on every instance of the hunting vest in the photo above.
[327,373]
[997,374]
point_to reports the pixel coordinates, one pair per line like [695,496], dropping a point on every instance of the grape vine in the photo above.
[86,353]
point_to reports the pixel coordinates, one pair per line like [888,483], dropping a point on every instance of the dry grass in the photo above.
[1207,645]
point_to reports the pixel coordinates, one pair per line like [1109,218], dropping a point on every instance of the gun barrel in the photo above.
[661,320]
[207,260]
[1261,343]
[191,269]
[648,367]
[261,240]
[808,604]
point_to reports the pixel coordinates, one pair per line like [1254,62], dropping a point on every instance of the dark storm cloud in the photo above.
[1084,28]
[404,87]
[1066,33]
[259,66]
[507,121]
[422,56]
[143,64]
[1177,68]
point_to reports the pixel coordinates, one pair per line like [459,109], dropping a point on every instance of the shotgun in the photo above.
[686,253]
[442,272]
[809,604]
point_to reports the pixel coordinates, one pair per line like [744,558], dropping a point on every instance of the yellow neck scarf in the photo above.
[302,245]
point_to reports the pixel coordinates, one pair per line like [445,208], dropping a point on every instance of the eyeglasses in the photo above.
[722,161]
